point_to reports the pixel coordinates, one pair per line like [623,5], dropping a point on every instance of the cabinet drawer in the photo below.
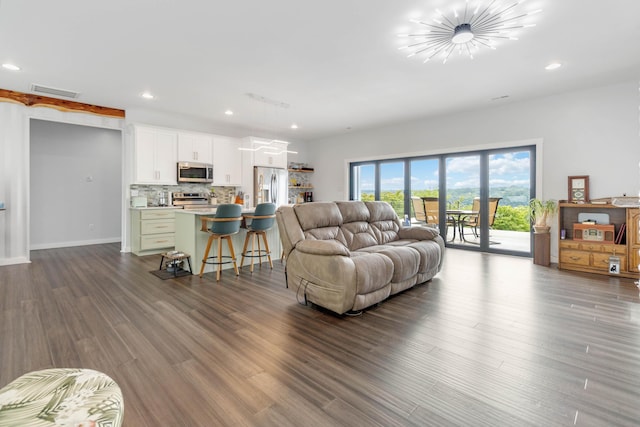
[575,257]
[603,247]
[158,214]
[157,227]
[569,244]
[157,241]
[601,261]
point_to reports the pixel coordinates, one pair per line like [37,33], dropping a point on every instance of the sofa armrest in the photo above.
[322,247]
[418,233]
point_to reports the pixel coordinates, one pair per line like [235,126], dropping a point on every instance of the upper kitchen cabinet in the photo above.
[195,147]
[267,152]
[155,155]
[227,161]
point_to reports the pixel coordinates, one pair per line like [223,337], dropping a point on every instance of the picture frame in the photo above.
[579,189]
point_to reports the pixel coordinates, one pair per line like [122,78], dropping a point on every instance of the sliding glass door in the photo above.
[478,199]
[463,197]
[392,185]
[363,182]
[510,185]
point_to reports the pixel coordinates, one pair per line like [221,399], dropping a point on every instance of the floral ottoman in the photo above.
[62,398]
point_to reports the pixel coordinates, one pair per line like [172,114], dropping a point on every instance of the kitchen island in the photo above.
[191,240]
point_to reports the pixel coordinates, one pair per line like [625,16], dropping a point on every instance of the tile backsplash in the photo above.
[152,192]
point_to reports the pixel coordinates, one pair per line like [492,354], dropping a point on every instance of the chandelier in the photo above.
[465,29]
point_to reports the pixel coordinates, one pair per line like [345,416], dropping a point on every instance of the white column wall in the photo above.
[14,184]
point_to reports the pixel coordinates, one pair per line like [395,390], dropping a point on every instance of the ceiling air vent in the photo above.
[53,91]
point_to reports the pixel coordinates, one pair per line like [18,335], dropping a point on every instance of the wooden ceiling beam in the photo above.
[31,100]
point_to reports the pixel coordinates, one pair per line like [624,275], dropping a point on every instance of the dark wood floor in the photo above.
[491,341]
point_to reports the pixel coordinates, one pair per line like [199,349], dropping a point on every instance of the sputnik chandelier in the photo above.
[466,28]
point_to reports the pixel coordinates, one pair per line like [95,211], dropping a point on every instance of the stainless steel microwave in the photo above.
[195,172]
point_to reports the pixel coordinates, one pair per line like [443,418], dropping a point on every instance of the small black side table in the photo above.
[174,257]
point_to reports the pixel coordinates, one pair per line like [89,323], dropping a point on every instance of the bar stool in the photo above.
[225,224]
[261,220]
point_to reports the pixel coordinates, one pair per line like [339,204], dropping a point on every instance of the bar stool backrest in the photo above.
[263,209]
[230,210]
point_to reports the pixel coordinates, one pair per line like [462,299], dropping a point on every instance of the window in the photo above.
[483,196]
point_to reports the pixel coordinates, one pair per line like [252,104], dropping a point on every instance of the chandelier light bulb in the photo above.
[462,34]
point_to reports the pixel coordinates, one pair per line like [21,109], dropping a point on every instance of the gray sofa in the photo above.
[347,256]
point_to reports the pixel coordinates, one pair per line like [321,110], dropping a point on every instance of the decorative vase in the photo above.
[541,228]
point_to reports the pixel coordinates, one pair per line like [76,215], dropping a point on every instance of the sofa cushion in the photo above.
[325,233]
[406,262]
[320,221]
[353,211]
[430,254]
[358,235]
[373,272]
[318,215]
[384,222]
[355,225]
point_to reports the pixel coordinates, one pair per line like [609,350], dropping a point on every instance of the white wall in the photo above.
[75,176]
[592,132]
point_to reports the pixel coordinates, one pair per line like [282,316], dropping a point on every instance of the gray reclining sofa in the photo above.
[347,256]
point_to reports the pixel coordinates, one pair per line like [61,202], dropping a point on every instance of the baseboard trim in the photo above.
[55,245]
[13,261]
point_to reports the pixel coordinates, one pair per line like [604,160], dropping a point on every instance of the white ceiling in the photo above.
[336,63]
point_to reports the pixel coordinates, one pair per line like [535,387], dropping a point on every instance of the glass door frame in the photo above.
[533,148]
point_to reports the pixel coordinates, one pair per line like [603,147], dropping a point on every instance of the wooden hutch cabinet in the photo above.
[590,249]
[633,239]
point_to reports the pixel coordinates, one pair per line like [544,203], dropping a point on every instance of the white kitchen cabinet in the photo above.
[195,147]
[152,230]
[155,155]
[227,161]
[268,153]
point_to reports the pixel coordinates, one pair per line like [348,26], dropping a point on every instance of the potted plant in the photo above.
[539,212]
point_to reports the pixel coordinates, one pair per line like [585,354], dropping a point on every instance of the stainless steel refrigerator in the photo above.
[270,185]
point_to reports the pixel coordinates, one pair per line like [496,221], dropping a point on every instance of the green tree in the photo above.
[512,218]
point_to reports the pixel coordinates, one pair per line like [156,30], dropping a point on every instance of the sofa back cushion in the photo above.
[356,229]
[320,221]
[384,221]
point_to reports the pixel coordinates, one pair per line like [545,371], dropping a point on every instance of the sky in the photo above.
[505,169]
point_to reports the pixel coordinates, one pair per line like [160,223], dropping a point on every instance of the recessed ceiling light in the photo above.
[11,67]
[147,95]
[553,66]
[294,126]
[229,113]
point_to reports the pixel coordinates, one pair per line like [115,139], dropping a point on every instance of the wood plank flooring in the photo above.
[491,341]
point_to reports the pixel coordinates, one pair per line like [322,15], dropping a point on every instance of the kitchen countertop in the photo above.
[156,207]
[210,211]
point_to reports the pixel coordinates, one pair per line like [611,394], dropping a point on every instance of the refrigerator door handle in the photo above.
[274,188]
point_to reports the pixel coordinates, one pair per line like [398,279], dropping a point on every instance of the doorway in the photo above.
[487,196]
[75,185]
